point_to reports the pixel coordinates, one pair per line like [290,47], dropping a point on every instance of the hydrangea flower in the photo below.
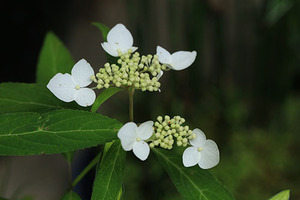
[119,39]
[178,60]
[133,138]
[203,152]
[71,87]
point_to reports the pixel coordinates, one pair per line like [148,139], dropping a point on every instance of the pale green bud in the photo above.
[106,85]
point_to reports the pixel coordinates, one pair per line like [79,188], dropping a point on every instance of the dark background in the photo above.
[242,91]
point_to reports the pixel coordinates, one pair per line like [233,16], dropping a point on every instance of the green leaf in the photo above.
[28,133]
[103,28]
[24,97]
[194,182]
[71,196]
[103,96]
[283,195]
[110,174]
[54,58]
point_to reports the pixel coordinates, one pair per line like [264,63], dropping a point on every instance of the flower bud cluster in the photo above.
[168,131]
[131,70]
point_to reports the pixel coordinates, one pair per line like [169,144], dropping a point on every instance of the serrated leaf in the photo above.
[58,131]
[54,58]
[103,96]
[103,28]
[192,183]
[110,174]
[24,97]
[283,195]
[71,196]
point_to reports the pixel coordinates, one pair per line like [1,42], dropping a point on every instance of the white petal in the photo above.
[141,150]
[85,97]
[145,130]
[191,156]
[128,135]
[110,49]
[63,87]
[120,36]
[81,72]
[182,59]
[164,56]
[199,140]
[210,155]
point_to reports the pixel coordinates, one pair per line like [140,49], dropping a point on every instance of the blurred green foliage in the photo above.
[243,91]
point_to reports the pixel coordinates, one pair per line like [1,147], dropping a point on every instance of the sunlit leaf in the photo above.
[28,133]
[283,195]
[24,97]
[110,174]
[54,58]
[103,96]
[194,182]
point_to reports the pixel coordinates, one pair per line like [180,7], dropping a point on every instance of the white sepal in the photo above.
[62,86]
[118,38]
[141,150]
[85,97]
[133,138]
[191,157]
[68,87]
[128,135]
[203,152]
[177,61]
[81,72]
[210,155]
[199,140]
[182,59]
[164,56]
[145,130]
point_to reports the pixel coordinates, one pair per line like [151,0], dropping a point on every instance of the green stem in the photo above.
[70,173]
[130,94]
[86,170]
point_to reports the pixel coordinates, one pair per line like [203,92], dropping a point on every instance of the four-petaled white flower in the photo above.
[203,152]
[178,60]
[133,138]
[69,88]
[118,39]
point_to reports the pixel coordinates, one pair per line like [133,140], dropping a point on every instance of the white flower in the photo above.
[203,152]
[133,138]
[178,60]
[118,39]
[69,88]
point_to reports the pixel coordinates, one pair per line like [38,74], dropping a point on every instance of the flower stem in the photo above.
[86,170]
[130,94]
